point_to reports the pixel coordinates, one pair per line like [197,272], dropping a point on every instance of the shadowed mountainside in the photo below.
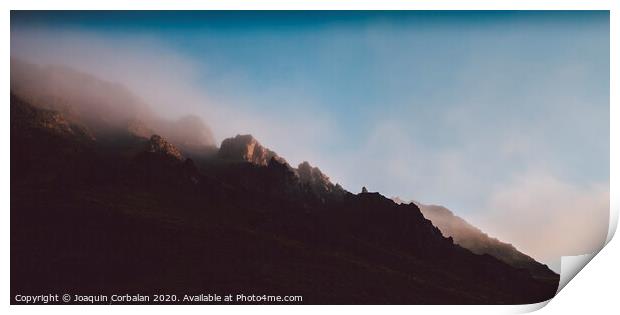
[117,212]
[472,238]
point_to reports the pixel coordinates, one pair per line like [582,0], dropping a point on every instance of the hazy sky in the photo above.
[502,117]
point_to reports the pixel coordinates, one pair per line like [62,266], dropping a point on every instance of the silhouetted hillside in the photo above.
[472,238]
[124,213]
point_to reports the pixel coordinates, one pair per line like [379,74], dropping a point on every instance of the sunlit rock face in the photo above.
[246,148]
[314,181]
[159,145]
[312,175]
[314,178]
[28,117]
[276,217]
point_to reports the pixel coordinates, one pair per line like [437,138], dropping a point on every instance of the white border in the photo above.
[567,300]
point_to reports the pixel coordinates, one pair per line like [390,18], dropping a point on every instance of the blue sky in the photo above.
[463,109]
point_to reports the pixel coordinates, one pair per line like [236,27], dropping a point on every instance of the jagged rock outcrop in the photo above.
[158,145]
[243,225]
[240,225]
[312,175]
[306,179]
[472,238]
[399,201]
[315,181]
[25,116]
[161,164]
[246,148]
[47,148]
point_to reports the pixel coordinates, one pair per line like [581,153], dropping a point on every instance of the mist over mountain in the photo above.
[318,182]
[104,197]
[472,238]
[246,148]
[525,155]
[105,107]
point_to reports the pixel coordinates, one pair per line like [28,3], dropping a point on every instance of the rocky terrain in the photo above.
[472,238]
[107,108]
[244,148]
[115,210]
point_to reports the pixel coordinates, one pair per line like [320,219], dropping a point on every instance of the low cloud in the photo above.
[542,214]
[547,217]
[171,84]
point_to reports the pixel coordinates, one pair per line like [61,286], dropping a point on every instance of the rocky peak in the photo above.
[312,175]
[247,148]
[159,145]
[315,180]
[25,116]
[397,200]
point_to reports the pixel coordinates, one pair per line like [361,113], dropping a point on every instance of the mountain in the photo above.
[315,182]
[159,146]
[125,213]
[472,238]
[247,149]
[105,107]
[78,96]
[26,117]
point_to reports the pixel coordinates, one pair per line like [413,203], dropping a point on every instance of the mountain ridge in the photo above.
[479,242]
[225,222]
[104,107]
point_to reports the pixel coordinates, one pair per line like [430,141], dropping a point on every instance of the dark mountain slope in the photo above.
[136,216]
[472,238]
